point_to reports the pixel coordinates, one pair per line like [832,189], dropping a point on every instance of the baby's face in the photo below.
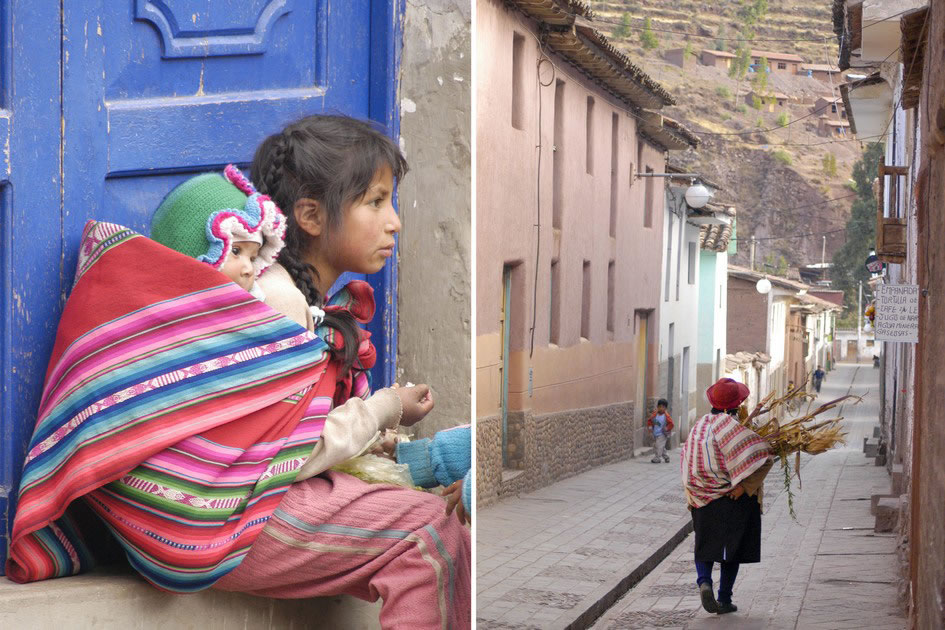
[238,265]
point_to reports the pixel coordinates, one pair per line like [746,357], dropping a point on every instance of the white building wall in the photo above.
[679,312]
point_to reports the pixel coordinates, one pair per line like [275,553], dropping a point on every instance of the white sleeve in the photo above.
[349,430]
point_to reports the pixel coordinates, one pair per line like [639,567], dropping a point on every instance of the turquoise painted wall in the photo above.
[708,300]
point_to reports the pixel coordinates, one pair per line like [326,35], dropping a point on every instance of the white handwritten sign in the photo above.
[897,313]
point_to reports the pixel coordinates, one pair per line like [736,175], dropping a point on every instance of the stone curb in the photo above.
[608,595]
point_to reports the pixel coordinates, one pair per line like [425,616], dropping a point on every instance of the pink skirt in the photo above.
[335,534]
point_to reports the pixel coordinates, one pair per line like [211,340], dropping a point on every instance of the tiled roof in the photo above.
[569,30]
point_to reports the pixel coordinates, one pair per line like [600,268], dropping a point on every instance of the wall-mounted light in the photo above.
[697,196]
[763,286]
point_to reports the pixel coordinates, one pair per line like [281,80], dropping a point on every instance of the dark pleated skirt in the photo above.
[728,530]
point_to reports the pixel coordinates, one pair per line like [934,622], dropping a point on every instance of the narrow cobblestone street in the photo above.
[560,556]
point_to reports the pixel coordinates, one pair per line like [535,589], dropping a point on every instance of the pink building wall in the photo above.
[576,372]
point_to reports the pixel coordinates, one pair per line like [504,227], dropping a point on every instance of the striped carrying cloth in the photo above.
[178,406]
[719,453]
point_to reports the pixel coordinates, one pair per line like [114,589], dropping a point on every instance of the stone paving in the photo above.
[559,557]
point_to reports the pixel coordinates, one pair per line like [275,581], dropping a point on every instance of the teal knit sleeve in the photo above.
[440,461]
[467,492]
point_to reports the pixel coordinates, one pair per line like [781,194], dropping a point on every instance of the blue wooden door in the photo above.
[108,105]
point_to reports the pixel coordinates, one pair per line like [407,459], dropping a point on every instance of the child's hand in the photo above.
[417,402]
[386,446]
[736,492]
[454,499]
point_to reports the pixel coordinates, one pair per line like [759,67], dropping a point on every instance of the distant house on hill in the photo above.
[716,58]
[830,107]
[677,56]
[833,128]
[777,62]
[768,101]
[821,72]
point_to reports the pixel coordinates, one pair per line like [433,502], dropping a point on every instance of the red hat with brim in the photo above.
[727,394]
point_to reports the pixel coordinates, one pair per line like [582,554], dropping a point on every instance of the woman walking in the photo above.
[723,469]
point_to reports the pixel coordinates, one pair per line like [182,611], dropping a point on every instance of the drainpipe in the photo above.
[859,318]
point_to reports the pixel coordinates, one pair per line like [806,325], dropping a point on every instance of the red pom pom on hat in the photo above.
[727,393]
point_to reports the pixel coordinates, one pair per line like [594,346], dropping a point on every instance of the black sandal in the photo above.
[708,598]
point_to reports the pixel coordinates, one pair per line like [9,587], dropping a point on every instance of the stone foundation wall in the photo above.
[549,447]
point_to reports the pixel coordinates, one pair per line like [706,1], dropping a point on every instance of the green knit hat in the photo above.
[206,214]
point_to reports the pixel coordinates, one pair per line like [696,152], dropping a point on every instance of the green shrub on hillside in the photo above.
[742,108]
[782,119]
[623,30]
[782,156]
[722,92]
[830,165]
[648,38]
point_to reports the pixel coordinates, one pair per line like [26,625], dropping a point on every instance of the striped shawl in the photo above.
[178,406]
[719,453]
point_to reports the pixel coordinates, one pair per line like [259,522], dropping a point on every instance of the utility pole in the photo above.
[859,317]
[751,254]
[823,265]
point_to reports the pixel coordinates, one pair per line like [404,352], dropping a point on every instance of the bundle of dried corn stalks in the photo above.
[803,433]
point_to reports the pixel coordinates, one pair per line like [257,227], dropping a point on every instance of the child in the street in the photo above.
[661,424]
[819,375]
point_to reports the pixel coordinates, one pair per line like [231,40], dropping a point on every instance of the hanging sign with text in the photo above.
[897,313]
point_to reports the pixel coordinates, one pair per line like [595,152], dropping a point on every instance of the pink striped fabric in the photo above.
[334,534]
[718,454]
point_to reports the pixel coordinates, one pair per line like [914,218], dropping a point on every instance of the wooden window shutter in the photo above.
[890,231]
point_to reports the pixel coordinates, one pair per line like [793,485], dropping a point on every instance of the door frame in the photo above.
[31,310]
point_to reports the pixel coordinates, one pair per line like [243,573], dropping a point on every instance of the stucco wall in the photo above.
[550,446]
[575,372]
[747,328]
[928,522]
[435,266]
[713,323]
[679,308]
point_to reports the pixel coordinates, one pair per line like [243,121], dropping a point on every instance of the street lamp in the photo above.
[697,196]
[763,286]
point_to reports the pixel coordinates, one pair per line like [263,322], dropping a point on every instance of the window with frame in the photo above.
[648,200]
[589,134]
[586,302]
[610,296]
[557,158]
[692,262]
[782,65]
[518,80]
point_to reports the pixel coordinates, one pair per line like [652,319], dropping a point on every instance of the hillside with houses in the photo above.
[778,142]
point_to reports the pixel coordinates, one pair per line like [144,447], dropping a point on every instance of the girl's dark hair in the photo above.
[731,412]
[662,401]
[332,159]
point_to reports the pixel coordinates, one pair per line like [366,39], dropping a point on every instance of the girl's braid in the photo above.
[273,180]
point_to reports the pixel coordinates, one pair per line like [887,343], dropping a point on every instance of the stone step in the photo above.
[874,499]
[106,599]
[870,447]
[887,515]
[876,431]
[898,480]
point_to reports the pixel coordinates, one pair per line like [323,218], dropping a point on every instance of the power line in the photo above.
[743,39]
[742,133]
[788,124]
[802,144]
[779,238]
